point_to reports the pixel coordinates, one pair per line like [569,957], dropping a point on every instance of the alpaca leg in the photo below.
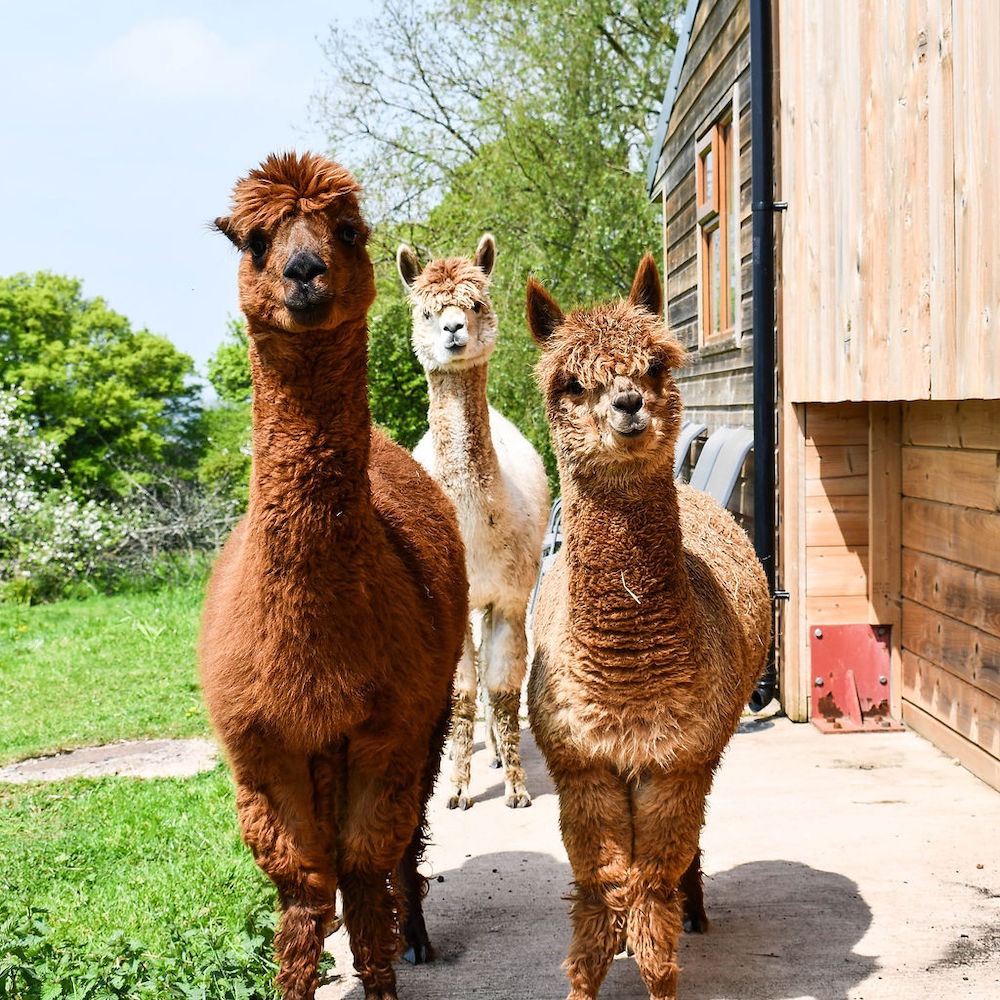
[413,884]
[492,748]
[276,797]
[463,719]
[370,918]
[668,813]
[594,816]
[695,918]
[505,660]
[384,789]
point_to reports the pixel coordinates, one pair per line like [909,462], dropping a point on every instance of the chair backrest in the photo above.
[551,542]
[690,430]
[721,478]
[709,455]
[552,538]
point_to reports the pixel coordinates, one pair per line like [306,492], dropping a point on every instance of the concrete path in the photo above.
[861,867]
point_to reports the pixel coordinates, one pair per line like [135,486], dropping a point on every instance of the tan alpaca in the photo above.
[497,482]
[336,612]
[650,631]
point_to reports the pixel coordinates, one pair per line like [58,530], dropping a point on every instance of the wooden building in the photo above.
[885,197]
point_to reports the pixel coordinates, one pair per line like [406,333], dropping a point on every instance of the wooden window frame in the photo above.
[714,218]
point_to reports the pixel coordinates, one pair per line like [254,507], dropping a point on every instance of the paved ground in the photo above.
[128,758]
[861,867]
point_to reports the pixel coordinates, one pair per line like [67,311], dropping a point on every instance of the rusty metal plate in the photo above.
[851,678]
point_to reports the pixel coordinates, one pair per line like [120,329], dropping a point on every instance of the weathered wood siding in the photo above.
[951,579]
[836,514]
[890,164]
[717,385]
[839,536]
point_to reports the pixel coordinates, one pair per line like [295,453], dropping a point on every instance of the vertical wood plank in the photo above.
[977,198]
[941,198]
[885,534]
[792,620]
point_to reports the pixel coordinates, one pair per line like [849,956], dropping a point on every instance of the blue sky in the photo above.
[123,126]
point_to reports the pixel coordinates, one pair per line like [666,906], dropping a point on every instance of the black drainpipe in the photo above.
[762,200]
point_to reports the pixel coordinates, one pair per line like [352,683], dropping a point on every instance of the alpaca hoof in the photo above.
[461,801]
[696,923]
[519,800]
[419,953]
[496,763]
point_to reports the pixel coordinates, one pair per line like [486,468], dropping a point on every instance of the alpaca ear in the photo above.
[544,316]
[486,254]
[675,354]
[647,293]
[408,265]
[222,225]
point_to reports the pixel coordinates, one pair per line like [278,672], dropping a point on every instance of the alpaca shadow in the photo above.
[780,930]
[754,724]
[499,927]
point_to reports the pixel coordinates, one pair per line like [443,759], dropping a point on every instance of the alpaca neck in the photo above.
[311,433]
[625,557]
[460,427]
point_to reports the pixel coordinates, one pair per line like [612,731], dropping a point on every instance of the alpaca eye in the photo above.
[573,387]
[348,235]
[427,314]
[656,369]
[476,306]
[257,245]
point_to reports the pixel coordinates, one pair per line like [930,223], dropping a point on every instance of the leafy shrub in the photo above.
[54,544]
[199,963]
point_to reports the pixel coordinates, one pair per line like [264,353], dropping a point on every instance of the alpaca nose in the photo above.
[454,327]
[628,402]
[303,266]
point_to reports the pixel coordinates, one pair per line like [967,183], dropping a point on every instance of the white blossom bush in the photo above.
[50,540]
[54,543]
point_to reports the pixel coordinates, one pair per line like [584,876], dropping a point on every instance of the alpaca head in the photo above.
[297,222]
[454,325]
[612,403]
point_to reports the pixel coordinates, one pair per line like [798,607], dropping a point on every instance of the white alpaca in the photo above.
[497,482]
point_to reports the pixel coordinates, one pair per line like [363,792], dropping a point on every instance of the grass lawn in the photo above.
[120,887]
[124,887]
[77,673]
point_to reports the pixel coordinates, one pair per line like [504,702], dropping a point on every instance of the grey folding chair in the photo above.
[551,543]
[690,430]
[719,479]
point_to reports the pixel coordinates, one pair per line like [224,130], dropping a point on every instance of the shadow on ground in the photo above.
[500,926]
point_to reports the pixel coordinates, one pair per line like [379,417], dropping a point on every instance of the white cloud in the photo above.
[179,58]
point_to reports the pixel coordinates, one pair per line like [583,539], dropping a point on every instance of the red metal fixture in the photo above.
[850,668]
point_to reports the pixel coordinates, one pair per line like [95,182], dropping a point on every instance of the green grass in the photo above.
[77,673]
[118,887]
[122,887]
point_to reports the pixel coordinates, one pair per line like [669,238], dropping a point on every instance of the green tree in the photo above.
[229,367]
[224,466]
[114,400]
[536,127]
[397,386]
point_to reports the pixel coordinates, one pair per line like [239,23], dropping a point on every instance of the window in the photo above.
[717,183]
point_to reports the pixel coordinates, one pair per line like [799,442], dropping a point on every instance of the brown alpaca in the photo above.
[336,613]
[650,632]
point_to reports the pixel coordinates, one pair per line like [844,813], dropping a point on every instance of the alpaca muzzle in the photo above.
[302,291]
[628,414]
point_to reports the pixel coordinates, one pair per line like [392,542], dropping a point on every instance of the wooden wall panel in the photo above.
[959,705]
[950,578]
[890,164]
[717,385]
[835,470]
[976,40]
